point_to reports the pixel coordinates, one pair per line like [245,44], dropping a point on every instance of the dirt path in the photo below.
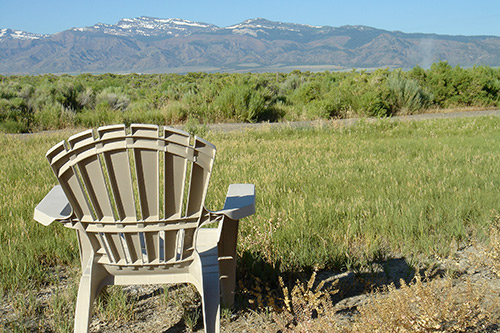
[229,127]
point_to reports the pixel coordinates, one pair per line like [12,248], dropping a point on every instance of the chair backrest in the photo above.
[138,192]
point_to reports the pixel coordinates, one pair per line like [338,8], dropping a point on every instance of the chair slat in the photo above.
[59,158]
[175,167]
[118,166]
[147,169]
[105,241]
[152,245]
[115,242]
[116,159]
[135,247]
[89,165]
[200,176]
[72,185]
[93,177]
[170,237]
[146,166]
[188,242]
[125,248]
[175,177]
[129,228]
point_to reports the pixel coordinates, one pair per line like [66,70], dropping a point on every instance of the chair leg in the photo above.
[90,285]
[227,261]
[210,302]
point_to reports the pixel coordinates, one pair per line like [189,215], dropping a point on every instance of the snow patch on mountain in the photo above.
[18,34]
[149,27]
[260,25]
[145,26]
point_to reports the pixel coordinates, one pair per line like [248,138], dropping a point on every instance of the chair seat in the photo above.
[207,238]
[207,248]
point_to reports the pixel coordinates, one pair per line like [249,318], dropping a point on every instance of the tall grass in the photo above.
[27,251]
[340,197]
[331,197]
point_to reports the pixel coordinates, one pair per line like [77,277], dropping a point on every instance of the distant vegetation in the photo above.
[34,103]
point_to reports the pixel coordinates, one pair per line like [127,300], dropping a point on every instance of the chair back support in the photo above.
[138,193]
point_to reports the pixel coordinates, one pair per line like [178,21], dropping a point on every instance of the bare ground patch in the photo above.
[466,286]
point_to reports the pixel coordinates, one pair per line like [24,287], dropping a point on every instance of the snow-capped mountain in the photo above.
[173,27]
[149,27]
[18,34]
[263,28]
[147,44]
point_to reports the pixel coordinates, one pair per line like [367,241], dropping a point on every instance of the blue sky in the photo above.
[458,17]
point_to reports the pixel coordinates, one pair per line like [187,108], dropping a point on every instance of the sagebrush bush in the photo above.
[405,95]
[114,98]
[86,98]
[239,102]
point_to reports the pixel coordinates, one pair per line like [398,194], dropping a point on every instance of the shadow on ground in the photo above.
[258,285]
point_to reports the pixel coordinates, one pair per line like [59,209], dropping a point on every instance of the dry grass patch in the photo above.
[493,251]
[435,306]
[440,305]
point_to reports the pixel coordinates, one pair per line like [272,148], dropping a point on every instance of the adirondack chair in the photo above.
[136,200]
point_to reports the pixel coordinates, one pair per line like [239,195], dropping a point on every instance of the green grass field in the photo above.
[327,198]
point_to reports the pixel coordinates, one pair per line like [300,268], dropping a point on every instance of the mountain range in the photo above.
[155,45]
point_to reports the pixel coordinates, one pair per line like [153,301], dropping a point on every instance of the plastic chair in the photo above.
[136,200]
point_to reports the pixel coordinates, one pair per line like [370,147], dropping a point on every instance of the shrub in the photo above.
[53,116]
[370,104]
[66,93]
[405,95]
[239,102]
[102,115]
[291,84]
[114,98]
[87,98]
[307,92]
[175,112]
[246,97]
[13,126]
[323,109]
[15,116]
[144,116]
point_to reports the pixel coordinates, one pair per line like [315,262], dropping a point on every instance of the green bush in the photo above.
[114,98]
[15,116]
[102,115]
[86,98]
[405,95]
[53,116]
[239,102]
[13,126]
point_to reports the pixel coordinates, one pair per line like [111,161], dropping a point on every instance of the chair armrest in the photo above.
[240,201]
[55,206]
